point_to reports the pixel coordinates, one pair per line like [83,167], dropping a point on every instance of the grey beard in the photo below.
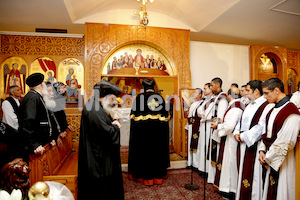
[50,103]
[107,106]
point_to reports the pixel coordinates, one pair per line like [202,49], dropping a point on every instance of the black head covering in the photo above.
[57,86]
[34,79]
[148,84]
[106,88]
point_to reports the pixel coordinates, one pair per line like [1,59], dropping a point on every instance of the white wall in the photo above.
[227,61]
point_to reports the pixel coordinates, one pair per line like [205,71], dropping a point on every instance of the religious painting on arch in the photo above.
[291,81]
[70,72]
[14,70]
[137,56]
[45,66]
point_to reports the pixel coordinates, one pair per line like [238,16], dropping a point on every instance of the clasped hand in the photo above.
[116,123]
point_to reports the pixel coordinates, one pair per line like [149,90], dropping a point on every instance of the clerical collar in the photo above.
[259,99]
[37,92]
[219,92]
[150,90]
[282,102]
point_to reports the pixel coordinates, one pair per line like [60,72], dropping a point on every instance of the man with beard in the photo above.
[99,164]
[51,105]
[35,124]
[149,137]
[59,110]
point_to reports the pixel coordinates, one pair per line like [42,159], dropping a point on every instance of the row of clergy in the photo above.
[245,145]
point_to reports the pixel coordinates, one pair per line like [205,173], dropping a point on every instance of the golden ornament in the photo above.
[39,191]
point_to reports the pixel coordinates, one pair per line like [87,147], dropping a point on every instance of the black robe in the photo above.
[149,138]
[8,142]
[99,163]
[60,113]
[34,122]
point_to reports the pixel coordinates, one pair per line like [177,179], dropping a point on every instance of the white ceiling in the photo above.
[245,22]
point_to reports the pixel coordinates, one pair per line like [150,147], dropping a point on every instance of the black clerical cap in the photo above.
[148,83]
[106,88]
[57,86]
[34,79]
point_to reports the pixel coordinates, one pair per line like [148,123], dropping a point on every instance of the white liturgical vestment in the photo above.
[248,138]
[281,154]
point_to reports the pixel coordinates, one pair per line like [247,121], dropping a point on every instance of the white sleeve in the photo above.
[222,107]
[9,115]
[296,99]
[237,127]
[285,141]
[230,121]
[255,133]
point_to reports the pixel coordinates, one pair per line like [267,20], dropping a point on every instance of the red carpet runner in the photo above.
[171,189]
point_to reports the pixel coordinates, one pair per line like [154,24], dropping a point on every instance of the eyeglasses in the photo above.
[266,93]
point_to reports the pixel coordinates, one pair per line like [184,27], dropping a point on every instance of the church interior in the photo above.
[81,43]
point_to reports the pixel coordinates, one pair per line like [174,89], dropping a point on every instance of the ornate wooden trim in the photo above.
[257,50]
[101,40]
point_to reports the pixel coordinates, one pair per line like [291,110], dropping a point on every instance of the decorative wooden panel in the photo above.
[101,40]
[281,60]
[33,47]
[74,119]
[293,62]
[39,45]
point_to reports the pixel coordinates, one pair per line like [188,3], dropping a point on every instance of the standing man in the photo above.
[248,133]
[10,107]
[227,172]
[244,99]
[35,123]
[99,163]
[276,153]
[206,116]
[218,109]
[193,129]
[149,137]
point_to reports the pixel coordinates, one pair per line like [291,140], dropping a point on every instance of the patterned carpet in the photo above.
[171,189]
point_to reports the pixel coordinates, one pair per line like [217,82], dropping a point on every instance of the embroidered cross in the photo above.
[246,183]
[195,136]
[219,166]
[153,104]
[272,181]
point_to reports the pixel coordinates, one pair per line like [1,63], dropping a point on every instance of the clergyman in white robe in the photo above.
[206,117]
[229,171]
[220,111]
[280,155]
[248,138]
[192,112]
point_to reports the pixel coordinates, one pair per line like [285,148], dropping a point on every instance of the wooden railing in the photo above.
[58,163]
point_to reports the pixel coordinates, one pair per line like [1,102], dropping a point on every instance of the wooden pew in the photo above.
[58,163]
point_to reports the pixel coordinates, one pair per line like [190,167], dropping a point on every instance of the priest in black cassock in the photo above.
[35,124]
[99,164]
[149,137]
